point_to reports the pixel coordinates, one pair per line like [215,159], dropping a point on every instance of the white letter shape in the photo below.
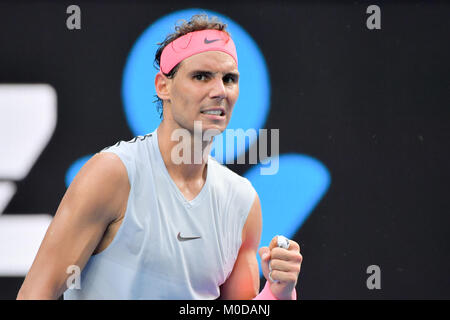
[74,20]
[374,281]
[73,281]
[374,20]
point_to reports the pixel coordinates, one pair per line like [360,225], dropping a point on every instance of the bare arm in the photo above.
[243,282]
[96,197]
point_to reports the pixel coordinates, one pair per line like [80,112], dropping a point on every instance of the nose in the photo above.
[218,90]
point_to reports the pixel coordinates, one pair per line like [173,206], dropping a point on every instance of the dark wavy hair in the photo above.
[196,23]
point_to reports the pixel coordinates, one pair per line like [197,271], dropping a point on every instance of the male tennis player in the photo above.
[141,226]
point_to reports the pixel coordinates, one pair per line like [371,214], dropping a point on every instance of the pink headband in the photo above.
[193,43]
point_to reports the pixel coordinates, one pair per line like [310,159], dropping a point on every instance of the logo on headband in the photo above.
[211,41]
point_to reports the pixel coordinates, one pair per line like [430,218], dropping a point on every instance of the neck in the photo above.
[184,147]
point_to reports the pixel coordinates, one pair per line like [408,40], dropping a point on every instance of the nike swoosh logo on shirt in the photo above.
[210,41]
[180,238]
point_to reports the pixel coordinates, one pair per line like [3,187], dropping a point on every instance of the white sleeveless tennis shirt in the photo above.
[168,247]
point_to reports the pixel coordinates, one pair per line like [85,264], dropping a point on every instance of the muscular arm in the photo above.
[96,197]
[243,282]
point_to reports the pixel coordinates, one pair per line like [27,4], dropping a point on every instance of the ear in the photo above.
[162,86]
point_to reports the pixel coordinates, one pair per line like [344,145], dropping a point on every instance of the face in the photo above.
[205,88]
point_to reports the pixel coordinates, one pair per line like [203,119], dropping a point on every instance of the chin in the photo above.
[212,128]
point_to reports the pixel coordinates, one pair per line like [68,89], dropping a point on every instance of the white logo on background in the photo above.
[183,152]
[27,122]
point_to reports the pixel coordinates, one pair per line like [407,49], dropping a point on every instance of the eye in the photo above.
[230,79]
[200,77]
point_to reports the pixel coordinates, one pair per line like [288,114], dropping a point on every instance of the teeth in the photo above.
[214,112]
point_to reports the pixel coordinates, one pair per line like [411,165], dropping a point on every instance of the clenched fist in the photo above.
[281,267]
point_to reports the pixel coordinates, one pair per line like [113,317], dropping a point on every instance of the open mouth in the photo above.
[216,112]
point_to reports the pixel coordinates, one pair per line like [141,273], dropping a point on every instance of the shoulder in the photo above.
[102,169]
[131,153]
[100,186]
[134,144]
